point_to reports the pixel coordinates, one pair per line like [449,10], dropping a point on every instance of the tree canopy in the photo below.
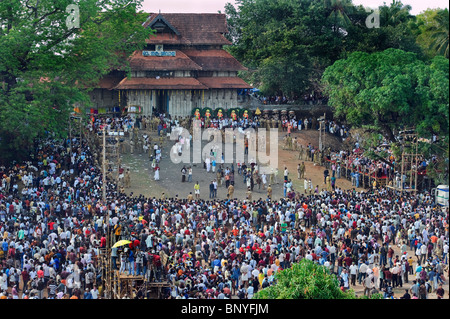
[305,280]
[288,44]
[386,92]
[50,56]
[432,32]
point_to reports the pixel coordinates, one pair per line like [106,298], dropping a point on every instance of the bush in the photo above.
[305,280]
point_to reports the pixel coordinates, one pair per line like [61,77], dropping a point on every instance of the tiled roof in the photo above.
[224,82]
[215,60]
[194,28]
[160,84]
[161,63]
[108,82]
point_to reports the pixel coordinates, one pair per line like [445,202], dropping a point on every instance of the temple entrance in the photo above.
[162,102]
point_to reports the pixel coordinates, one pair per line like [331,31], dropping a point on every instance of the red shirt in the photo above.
[348,261]
[390,253]
[25,275]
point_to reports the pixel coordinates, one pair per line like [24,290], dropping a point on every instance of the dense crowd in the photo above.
[53,226]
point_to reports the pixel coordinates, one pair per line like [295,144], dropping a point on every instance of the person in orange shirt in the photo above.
[235,231]
[40,273]
[376,275]
[434,240]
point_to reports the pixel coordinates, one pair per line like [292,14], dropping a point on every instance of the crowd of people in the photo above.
[54,227]
[280,99]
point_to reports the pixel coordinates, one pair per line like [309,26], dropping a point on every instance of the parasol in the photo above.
[121,243]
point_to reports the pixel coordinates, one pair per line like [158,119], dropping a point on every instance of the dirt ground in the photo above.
[170,177]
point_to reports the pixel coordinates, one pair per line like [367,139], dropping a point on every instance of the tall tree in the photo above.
[390,89]
[51,52]
[289,36]
[303,37]
[339,15]
[438,33]
[385,92]
[394,14]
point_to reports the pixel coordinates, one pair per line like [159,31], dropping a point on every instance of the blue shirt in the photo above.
[216,262]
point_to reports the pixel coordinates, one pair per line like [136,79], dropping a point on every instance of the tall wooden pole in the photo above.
[104,166]
[320,136]
[81,129]
[70,137]
[108,271]
[323,143]
[416,168]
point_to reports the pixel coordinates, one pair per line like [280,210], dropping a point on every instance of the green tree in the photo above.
[294,37]
[438,33]
[287,44]
[48,61]
[339,13]
[385,92]
[424,21]
[305,280]
[395,14]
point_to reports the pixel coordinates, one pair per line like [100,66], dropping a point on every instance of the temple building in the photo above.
[183,66]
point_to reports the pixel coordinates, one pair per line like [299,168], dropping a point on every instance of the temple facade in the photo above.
[183,66]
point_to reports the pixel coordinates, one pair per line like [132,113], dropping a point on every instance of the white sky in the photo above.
[212,6]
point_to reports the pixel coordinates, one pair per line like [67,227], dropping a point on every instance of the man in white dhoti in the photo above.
[208,164]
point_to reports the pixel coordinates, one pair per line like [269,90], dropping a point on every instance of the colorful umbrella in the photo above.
[121,243]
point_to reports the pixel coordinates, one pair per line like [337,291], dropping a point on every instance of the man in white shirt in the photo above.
[368,284]
[362,272]
[423,252]
[445,253]
[353,272]
[94,292]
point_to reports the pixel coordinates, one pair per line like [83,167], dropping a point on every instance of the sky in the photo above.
[212,6]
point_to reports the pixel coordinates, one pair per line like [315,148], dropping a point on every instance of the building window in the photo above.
[161,74]
[206,74]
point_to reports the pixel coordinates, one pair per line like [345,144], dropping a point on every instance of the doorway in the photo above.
[162,102]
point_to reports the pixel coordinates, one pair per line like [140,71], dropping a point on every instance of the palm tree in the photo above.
[439,33]
[339,10]
[394,14]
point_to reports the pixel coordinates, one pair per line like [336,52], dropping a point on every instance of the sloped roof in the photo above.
[193,28]
[108,82]
[160,84]
[161,63]
[214,60]
[220,82]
